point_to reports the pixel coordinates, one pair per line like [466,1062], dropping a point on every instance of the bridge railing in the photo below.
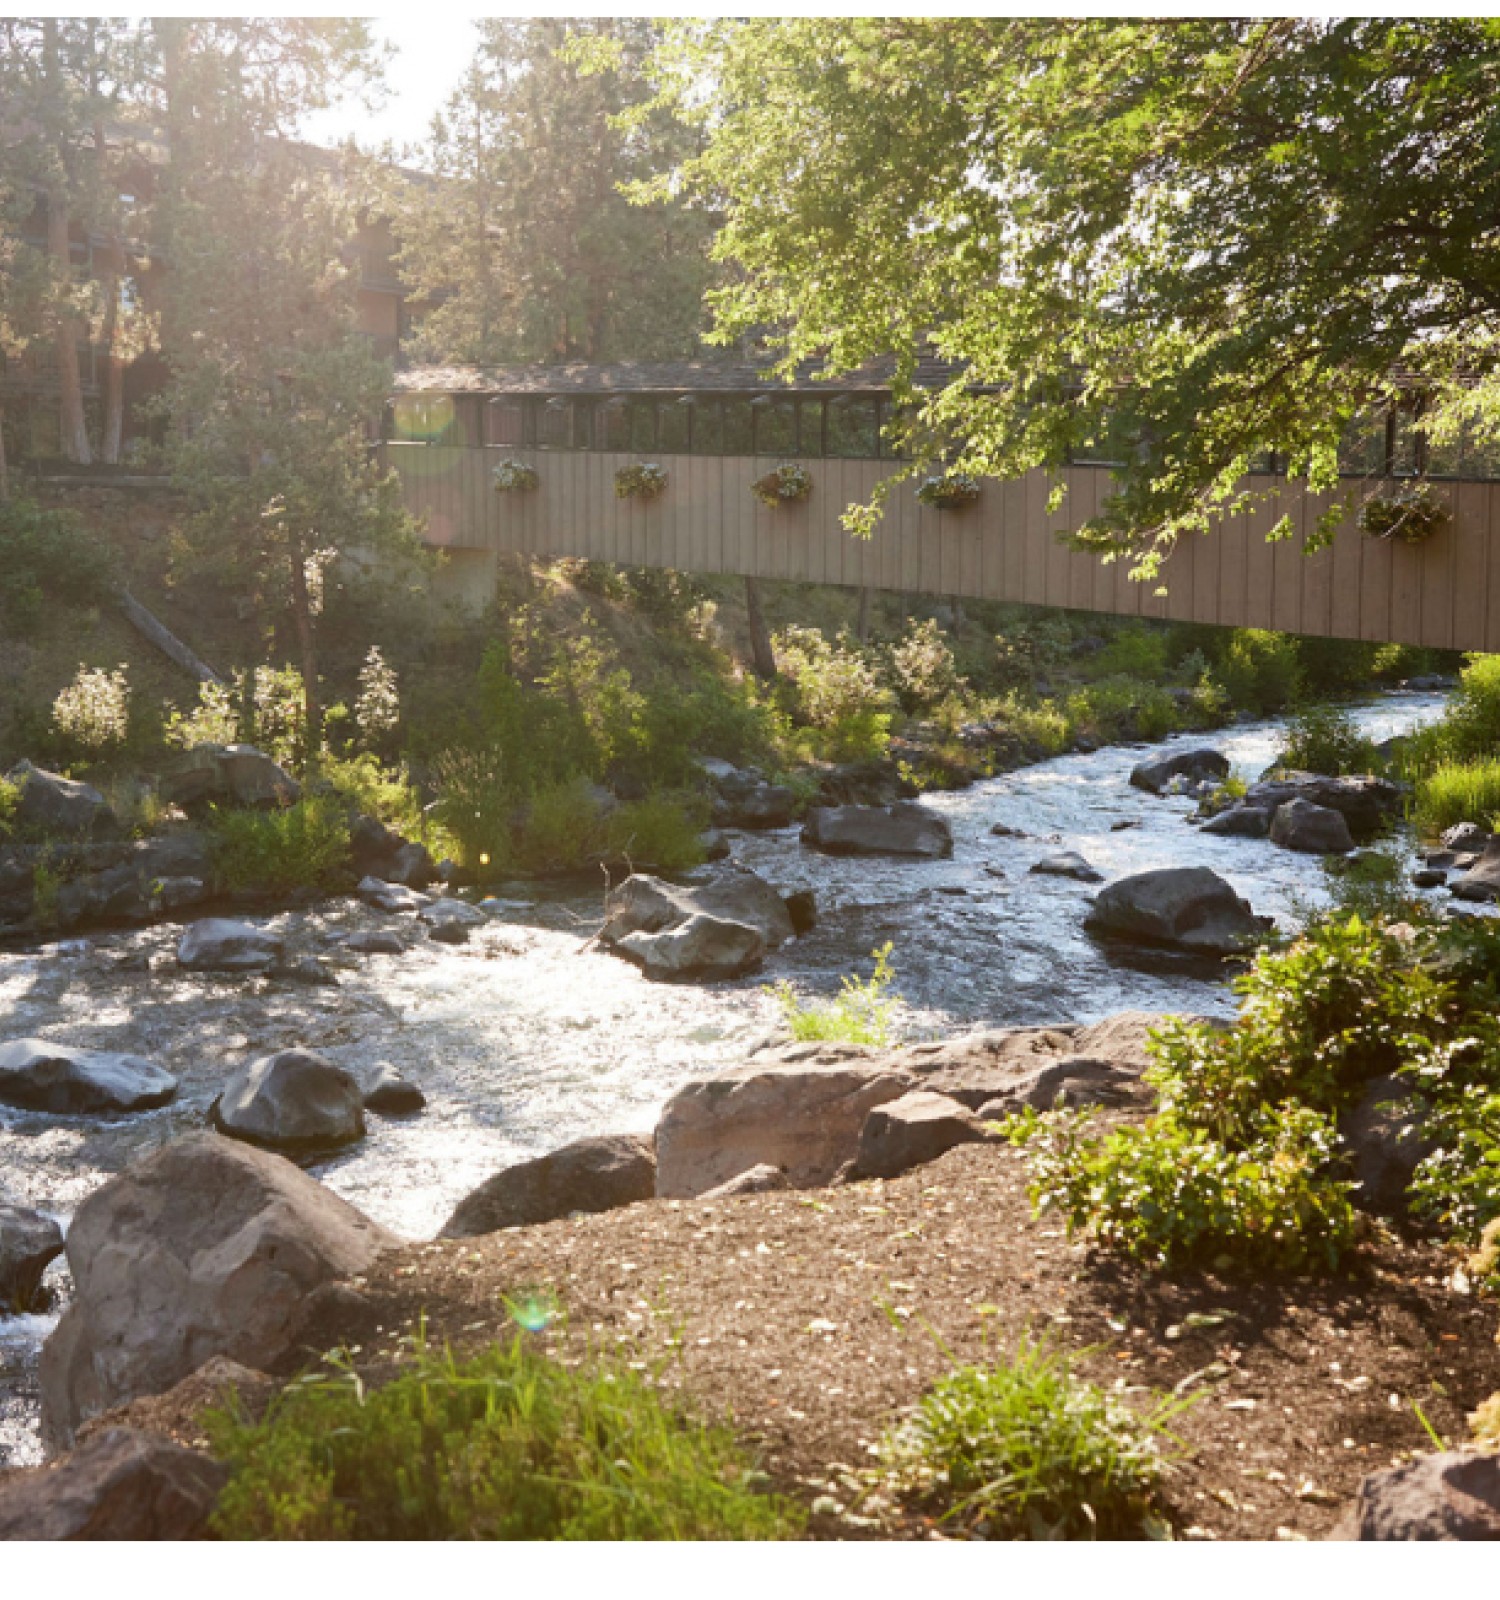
[1443,593]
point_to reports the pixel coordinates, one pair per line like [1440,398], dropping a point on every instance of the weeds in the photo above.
[302,846]
[1325,740]
[862,1013]
[1467,791]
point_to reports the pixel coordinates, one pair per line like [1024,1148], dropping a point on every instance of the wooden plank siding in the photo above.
[1443,593]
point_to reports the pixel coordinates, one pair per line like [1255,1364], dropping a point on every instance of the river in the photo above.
[524,1038]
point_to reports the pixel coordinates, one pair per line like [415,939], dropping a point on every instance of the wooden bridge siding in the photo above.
[1445,593]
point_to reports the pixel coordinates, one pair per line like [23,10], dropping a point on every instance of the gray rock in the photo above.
[449,933]
[1466,838]
[51,804]
[1003,830]
[375,942]
[802,908]
[764,1179]
[1240,822]
[392,1095]
[122,1484]
[1076,1080]
[294,1100]
[413,866]
[306,970]
[1068,864]
[1315,830]
[912,1130]
[28,1243]
[716,929]
[1386,1146]
[1185,908]
[1448,1497]
[38,1075]
[452,911]
[743,800]
[208,1247]
[1197,766]
[252,778]
[801,1115]
[218,944]
[588,1175]
[193,777]
[1482,881]
[903,829]
[1367,804]
[704,949]
[394,898]
[714,845]
[371,846]
[1429,877]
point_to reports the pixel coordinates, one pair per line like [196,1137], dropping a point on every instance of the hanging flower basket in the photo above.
[517,477]
[644,481]
[1410,513]
[948,491]
[783,485]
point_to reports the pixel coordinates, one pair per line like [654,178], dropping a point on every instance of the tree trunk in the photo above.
[4,464]
[72,430]
[308,646]
[862,625]
[762,657]
[109,336]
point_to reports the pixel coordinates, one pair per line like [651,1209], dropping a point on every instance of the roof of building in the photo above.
[661,377]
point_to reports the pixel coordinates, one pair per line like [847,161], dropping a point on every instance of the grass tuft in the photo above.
[862,1013]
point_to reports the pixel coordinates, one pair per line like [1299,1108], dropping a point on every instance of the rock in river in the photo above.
[1068,864]
[587,1175]
[1482,880]
[903,829]
[1317,830]
[1197,766]
[1367,803]
[392,1095]
[28,1242]
[295,1100]
[218,944]
[717,929]
[1186,908]
[208,1247]
[38,1075]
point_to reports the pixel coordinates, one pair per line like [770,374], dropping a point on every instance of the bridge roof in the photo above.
[662,377]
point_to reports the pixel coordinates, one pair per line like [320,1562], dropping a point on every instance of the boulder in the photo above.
[193,777]
[713,845]
[797,1114]
[455,912]
[371,846]
[1197,766]
[1068,864]
[1386,1146]
[1184,908]
[802,908]
[1465,838]
[394,898]
[716,929]
[1316,830]
[38,1075]
[208,1247]
[764,1179]
[912,1130]
[219,944]
[1482,881]
[51,804]
[1448,1497]
[122,1484]
[1075,1080]
[252,778]
[413,866]
[1240,822]
[392,1095]
[449,933]
[28,1243]
[903,829]
[375,942]
[1367,804]
[745,800]
[862,783]
[588,1175]
[702,949]
[1429,878]
[294,1100]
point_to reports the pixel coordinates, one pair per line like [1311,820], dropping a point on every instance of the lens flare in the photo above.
[423,418]
[533,1309]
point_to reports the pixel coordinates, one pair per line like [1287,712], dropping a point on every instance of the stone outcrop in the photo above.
[396,899]
[1068,864]
[451,913]
[1196,766]
[1314,829]
[220,944]
[718,929]
[295,1101]
[588,1175]
[743,799]
[1185,908]
[29,1241]
[912,1130]
[702,949]
[1465,838]
[375,942]
[764,1179]
[1240,822]
[55,806]
[1452,1496]
[208,1247]
[39,1075]
[121,1485]
[1367,804]
[903,829]
[237,773]
[392,1095]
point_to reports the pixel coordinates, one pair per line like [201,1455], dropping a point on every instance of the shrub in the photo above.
[831,682]
[10,798]
[920,668]
[862,1013]
[1335,666]
[671,729]
[1374,886]
[1460,791]
[93,712]
[1470,726]
[475,805]
[1027,1450]
[1029,649]
[1259,670]
[49,556]
[1459,1184]
[305,845]
[509,1445]
[375,790]
[1324,739]
[214,720]
[377,711]
[560,829]
[1122,707]
[1133,652]
[783,485]
[663,831]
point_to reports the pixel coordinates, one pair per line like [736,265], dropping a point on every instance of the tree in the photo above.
[522,246]
[1186,243]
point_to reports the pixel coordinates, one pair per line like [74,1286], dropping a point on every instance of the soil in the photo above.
[812,1320]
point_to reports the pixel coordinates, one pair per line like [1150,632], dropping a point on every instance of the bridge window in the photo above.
[851,426]
[708,428]
[775,426]
[674,428]
[739,428]
[505,423]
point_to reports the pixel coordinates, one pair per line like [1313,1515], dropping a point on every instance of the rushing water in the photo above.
[527,1037]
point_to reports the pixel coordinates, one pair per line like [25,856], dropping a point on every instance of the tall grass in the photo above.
[300,846]
[1467,791]
[863,1013]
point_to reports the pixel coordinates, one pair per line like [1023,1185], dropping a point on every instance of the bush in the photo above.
[862,1013]
[1027,1450]
[1134,652]
[93,712]
[831,682]
[1460,791]
[1324,739]
[302,846]
[1122,708]
[662,831]
[560,829]
[49,557]
[1470,727]
[1374,886]
[920,668]
[475,805]
[1259,670]
[509,1445]
[10,798]
[375,790]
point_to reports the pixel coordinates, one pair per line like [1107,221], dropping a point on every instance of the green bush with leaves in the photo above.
[374,790]
[1326,740]
[1259,670]
[1374,885]
[509,1445]
[863,1012]
[301,846]
[663,831]
[49,557]
[1026,1449]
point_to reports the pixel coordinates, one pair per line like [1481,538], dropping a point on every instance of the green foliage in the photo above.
[834,689]
[1374,885]
[301,846]
[511,476]
[1026,1449]
[1325,739]
[662,831]
[49,558]
[698,716]
[863,1013]
[1459,791]
[1410,513]
[1458,1186]
[1118,708]
[642,480]
[508,1445]
[10,798]
[1469,729]
[1029,649]
[1169,1193]
[949,491]
[559,828]
[1259,670]
[920,668]
[374,790]
[93,712]
[1135,652]
[476,804]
